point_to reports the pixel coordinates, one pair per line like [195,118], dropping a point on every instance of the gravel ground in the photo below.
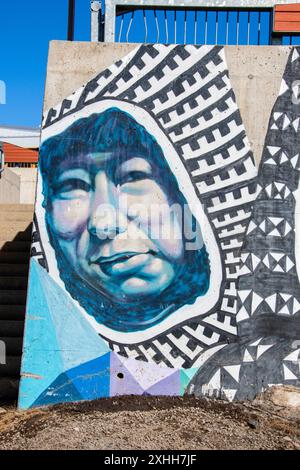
[149,423]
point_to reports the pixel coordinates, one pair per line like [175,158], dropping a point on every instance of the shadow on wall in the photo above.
[14,264]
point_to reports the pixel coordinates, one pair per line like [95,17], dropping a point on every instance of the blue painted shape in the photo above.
[265,32]
[57,335]
[253,28]
[118,27]
[137,29]
[171,26]
[40,366]
[73,331]
[243,28]
[201,27]
[180,25]
[152,31]
[222,28]
[60,391]
[190,27]
[211,27]
[124,23]
[286,40]
[92,379]
[160,15]
[232,27]
[295,40]
[198,27]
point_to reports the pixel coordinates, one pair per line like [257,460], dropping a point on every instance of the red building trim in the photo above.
[287,18]
[14,154]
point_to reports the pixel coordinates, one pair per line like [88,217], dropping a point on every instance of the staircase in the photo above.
[15,239]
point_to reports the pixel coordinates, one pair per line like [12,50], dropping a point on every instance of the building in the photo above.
[19,158]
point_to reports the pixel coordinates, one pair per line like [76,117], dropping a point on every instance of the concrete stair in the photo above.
[15,240]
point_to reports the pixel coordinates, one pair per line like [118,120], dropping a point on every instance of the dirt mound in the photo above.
[152,423]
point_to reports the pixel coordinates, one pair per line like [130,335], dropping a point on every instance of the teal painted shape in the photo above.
[40,365]
[55,329]
[186,376]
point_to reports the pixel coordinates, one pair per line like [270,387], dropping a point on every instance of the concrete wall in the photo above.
[252,69]
[17,186]
[9,187]
[27,178]
[132,300]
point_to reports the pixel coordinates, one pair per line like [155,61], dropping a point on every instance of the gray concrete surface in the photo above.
[255,72]
[17,186]
[9,187]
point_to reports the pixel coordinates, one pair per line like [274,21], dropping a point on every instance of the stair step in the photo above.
[14,269]
[14,257]
[11,328]
[13,297]
[16,246]
[12,367]
[12,312]
[13,282]
[13,346]
[16,207]
[18,231]
[17,216]
[9,387]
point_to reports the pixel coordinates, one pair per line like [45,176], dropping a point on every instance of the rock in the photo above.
[284,396]
[253,423]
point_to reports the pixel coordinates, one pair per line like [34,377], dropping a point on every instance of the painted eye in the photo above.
[133,176]
[72,189]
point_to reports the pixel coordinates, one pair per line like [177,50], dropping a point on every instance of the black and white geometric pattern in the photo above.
[188,92]
[268,347]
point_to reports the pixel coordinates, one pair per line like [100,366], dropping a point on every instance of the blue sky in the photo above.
[26,27]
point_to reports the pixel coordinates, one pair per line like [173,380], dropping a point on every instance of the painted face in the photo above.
[113,220]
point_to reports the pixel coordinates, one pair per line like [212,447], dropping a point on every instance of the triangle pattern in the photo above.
[288,374]
[271,301]
[262,348]
[283,87]
[229,393]
[234,371]
[293,356]
[247,356]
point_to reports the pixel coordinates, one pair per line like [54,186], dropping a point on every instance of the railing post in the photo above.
[110,21]
[97,25]
[71,20]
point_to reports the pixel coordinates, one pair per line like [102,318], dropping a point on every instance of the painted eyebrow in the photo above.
[74,173]
[134,164]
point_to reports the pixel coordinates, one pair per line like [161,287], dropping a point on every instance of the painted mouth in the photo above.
[118,258]
[122,264]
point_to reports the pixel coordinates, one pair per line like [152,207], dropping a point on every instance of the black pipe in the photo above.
[71,20]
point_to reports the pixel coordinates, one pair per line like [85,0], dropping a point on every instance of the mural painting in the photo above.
[146,203]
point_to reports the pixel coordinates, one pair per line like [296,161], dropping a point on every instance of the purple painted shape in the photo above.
[169,386]
[145,373]
[121,380]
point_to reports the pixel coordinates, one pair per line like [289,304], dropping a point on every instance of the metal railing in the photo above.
[245,22]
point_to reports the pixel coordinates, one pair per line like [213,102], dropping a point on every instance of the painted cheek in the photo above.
[83,244]
[69,216]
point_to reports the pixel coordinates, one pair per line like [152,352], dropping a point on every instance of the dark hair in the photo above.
[117,132]
[113,131]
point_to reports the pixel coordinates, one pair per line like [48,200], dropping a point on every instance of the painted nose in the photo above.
[106,220]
